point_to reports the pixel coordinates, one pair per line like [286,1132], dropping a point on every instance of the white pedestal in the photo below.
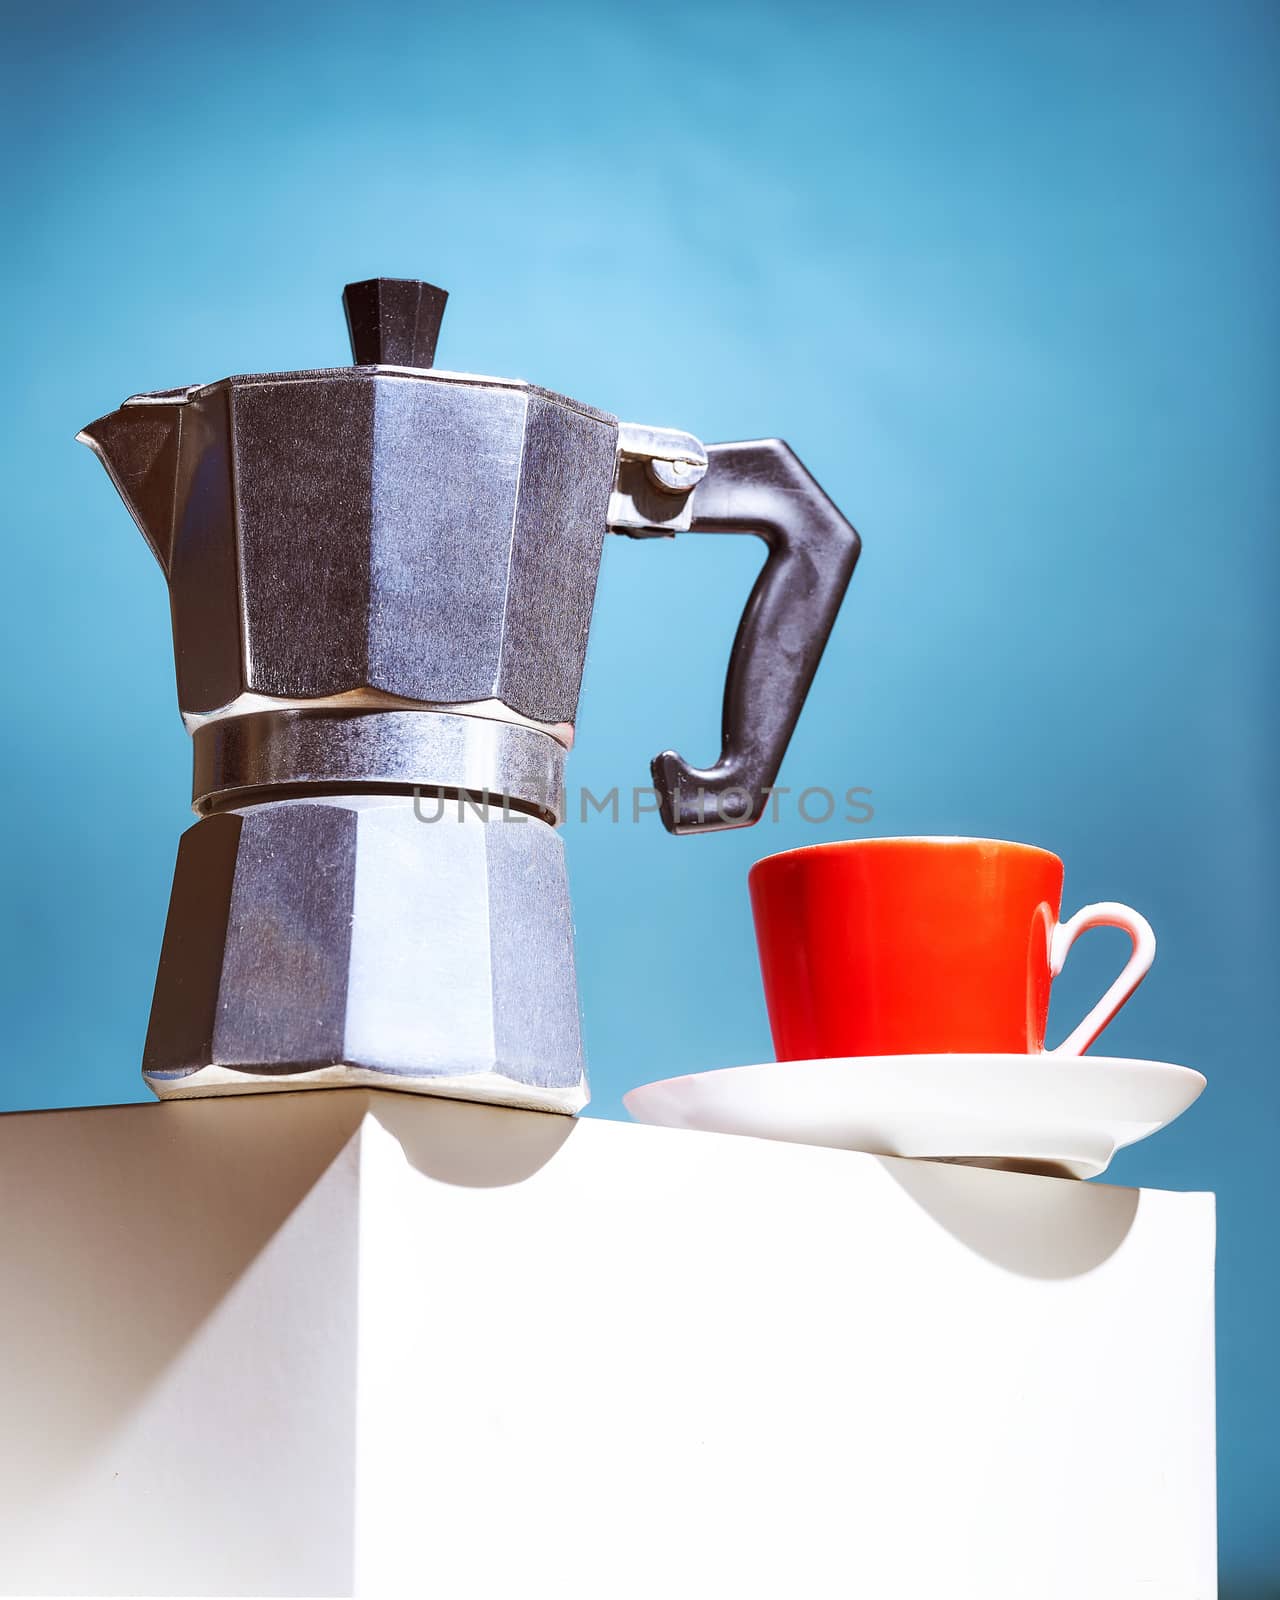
[362,1343]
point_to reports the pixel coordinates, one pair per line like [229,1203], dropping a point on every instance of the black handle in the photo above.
[761,487]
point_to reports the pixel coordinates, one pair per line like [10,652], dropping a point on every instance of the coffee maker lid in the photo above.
[394,325]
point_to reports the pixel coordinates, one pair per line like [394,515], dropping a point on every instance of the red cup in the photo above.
[877,947]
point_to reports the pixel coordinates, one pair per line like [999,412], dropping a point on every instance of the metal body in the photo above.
[238,759]
[344,940]
[381,581]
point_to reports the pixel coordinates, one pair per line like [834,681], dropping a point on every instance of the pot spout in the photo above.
[138,445]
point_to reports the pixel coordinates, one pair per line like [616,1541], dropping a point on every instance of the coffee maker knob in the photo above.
[394,322]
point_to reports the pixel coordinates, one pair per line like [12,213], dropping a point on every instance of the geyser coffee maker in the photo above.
[381,581]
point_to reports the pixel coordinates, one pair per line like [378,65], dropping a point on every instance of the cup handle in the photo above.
[1106,914]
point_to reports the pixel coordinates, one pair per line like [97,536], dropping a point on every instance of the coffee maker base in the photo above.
[356,941]
[490,1088]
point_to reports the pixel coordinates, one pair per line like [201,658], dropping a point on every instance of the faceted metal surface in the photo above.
[297,946]
[430,537]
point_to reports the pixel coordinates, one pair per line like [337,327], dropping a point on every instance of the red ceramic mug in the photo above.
[913,946]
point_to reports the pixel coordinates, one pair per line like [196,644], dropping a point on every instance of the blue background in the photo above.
[1004,277]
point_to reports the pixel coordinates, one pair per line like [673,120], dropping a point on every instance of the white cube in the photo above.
[360,1343]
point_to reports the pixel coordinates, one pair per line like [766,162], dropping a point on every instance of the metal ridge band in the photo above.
[239,760]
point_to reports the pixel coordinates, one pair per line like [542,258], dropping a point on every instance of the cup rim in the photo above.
[841,845]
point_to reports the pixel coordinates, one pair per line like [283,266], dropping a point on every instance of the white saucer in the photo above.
[1066,1115]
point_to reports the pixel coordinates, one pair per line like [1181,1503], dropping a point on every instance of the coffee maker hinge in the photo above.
[657,469]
